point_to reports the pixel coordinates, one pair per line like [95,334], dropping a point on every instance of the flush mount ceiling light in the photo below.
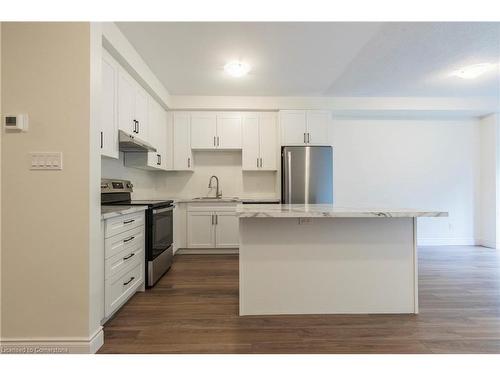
[236,68]
[473,71]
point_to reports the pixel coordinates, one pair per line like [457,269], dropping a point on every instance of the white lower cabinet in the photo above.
[212,227]
[201,232]
[120,288]
[226,230]
[124,247]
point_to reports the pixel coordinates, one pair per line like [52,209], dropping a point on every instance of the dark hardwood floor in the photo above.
[194,309]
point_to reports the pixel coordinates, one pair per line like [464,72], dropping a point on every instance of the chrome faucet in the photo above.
[218,193]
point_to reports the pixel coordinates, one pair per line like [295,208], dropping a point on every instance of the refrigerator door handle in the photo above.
[289,167]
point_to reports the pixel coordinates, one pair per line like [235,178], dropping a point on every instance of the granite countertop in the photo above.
[112,211]
[326,210]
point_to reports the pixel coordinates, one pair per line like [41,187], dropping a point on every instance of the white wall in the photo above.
[224,164]
[489,170]
[427,164]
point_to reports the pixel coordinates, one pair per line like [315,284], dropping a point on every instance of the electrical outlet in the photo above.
[305,220]
[46,161]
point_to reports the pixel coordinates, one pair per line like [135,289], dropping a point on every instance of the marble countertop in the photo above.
[227,200]
[326,210]
[112,211]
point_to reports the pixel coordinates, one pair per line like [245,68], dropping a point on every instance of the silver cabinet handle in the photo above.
[128,221]
[308,137]
[289,170]
[128,282]
[212,219]
[189,162]
[305,138]
[214,140]
[216,219]
[257,162]
[129,239]
[217,141]
[261,162]
[128,257]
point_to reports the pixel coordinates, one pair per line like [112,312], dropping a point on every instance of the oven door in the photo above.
[162,230]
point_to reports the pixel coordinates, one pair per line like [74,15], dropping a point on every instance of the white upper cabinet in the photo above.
[228,130]
[203,130]
[183,158]
[268,134]
[132,106]
[109,119]
[293,127]
[259,142]
[299,128]
[157,134]
[250,155]
[211,130]
[142,112]
[157,126]
[318,124]
[126,102]
[168,163]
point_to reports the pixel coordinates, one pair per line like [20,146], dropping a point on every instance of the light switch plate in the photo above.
[46,161]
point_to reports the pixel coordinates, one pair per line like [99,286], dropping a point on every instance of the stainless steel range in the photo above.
[159,225]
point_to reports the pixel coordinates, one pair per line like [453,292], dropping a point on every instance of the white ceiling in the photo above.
[319,59]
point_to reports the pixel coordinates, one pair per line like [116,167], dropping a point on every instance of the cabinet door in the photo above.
[317,127]
[200,231]
[268,132]
[203,130]
[109,120]
[250,147]
[293,128]
[168,151]
[141,112]
[229,130]
[156,135]
[126,102]
[183,159]
[227,233]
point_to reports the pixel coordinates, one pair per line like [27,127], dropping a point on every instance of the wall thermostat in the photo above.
[16,122]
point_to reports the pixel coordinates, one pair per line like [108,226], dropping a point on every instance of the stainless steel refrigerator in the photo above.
[307,174]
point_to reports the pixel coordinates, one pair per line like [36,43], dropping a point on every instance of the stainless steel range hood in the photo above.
[130,143]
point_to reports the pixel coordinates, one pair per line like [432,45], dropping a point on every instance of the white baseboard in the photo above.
[452,241]
[488,243]
[207,251]
[53,345]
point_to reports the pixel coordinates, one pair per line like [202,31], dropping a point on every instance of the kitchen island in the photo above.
[324,259]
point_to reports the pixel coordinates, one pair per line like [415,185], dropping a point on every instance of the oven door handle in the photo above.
[160,210]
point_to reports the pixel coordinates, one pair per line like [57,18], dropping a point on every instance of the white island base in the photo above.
[327,265]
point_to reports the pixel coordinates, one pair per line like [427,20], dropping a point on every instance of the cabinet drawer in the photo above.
[122,287]
[125,259]
[123,241]
[120,224]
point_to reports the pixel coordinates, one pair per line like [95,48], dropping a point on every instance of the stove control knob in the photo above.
[130,186]
[104,186]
